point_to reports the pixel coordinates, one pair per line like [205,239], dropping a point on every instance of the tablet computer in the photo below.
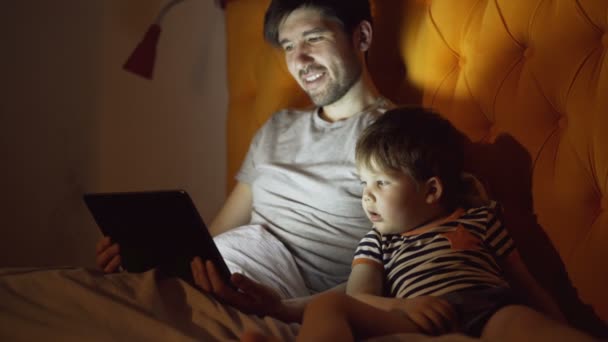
[156,229]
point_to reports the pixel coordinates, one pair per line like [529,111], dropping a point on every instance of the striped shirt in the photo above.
[454,253]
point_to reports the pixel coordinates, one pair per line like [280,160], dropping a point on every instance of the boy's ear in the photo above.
[434,190]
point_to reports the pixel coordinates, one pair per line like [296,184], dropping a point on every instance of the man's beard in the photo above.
[336,89]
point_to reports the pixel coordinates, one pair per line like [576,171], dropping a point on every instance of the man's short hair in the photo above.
[349,13]
[417,141]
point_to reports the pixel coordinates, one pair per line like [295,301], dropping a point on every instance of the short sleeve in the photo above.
[369,249]
[247,173]
[497,237]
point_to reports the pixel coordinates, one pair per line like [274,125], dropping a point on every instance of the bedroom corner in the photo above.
[73,121]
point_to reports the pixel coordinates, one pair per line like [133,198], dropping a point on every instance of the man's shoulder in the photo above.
[381,106]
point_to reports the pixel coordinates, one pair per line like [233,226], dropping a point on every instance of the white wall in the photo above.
[72,121]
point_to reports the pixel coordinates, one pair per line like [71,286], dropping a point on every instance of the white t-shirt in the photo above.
[306,193]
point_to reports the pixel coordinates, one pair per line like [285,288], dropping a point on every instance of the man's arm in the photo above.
[235,212]
[249,296]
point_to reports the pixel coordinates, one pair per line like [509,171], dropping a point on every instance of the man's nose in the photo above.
[302,57]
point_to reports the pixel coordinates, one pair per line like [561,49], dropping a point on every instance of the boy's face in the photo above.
[394,201]
[319,55]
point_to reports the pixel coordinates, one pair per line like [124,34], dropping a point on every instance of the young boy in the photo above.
[436,261]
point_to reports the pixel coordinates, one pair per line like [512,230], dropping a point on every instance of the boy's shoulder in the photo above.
[373,234]
[488,205]
[483,214]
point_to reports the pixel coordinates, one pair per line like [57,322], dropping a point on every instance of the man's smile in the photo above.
[313,77]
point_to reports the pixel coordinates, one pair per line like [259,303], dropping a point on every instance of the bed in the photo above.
[524,79]
[527,80]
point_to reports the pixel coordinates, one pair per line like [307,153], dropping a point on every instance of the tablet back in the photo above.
[159,229]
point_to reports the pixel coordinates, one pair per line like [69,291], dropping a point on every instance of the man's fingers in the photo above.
[217,283]
[101,260]
[200,274]
[112,265]
[102,244]
[194,271]
[249,286]
[225,292]
[106,256]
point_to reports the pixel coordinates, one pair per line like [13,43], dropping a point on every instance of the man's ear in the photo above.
[434,190]
[363,36]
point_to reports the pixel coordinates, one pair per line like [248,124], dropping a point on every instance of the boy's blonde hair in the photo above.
[417,141]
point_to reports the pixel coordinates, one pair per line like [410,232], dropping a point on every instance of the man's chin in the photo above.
[318,101]
[321,99]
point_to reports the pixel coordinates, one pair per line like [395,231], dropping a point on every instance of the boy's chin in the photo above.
[383,229]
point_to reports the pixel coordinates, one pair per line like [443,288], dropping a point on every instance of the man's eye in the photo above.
[315,39]
[287,48]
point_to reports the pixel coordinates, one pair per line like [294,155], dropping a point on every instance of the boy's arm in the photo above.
[524,283]
[366,278]
[431,315]
[293,309]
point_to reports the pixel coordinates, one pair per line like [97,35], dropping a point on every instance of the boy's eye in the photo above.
[287,48]
[381,183]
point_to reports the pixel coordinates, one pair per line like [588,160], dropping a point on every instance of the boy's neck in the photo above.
[435,216]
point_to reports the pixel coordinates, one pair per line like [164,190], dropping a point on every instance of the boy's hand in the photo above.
[432,315]
[107,255]
[249,297]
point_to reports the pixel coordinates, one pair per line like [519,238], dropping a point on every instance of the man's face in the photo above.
[319,55]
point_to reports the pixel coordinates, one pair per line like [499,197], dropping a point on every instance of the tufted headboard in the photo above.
[527,80]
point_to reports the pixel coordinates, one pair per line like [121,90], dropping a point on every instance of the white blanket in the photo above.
[76,304]
[86,305]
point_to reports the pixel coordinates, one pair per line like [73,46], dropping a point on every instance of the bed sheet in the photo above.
[76,304]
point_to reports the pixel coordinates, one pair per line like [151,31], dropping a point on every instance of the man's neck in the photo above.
[361,95]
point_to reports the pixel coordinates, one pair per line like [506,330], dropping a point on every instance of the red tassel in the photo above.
[141,61]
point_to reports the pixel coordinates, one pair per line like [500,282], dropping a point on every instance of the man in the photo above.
[298,180]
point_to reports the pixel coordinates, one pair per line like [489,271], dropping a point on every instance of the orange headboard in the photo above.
[526,79]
